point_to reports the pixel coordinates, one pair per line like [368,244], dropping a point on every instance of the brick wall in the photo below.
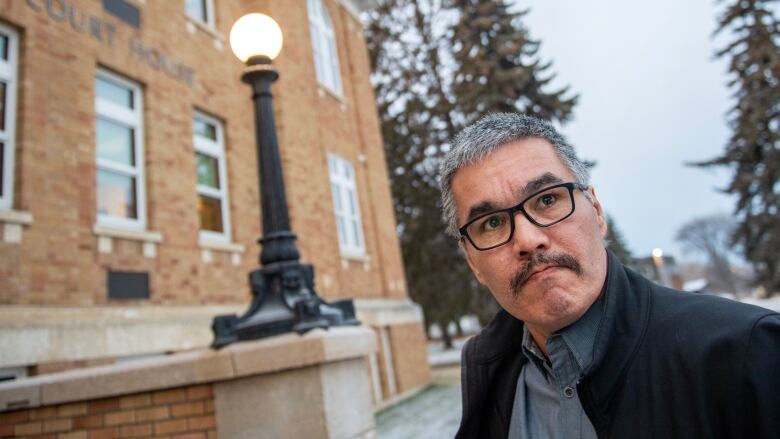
[58,261]
[407,341]
[180,413]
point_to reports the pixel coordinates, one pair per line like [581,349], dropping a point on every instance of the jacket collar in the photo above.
[626,313]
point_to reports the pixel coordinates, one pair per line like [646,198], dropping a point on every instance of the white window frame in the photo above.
[133,118]
[216,150]
[9,73]
[346,185]
[324,48]
[210,21]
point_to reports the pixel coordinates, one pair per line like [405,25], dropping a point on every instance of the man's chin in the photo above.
[552,304]
[558,302]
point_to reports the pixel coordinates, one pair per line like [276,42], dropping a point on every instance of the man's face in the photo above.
[546,276]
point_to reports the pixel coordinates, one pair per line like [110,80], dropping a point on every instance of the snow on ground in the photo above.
[438,356]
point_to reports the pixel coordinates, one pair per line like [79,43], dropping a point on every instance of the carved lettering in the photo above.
[136,48]
[57,15]
[34,6]
[186,75]
[83,22]
[110,31]
[79,25]
[94,28]
[159,61]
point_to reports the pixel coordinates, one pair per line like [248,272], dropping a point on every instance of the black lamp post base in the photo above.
[283,301]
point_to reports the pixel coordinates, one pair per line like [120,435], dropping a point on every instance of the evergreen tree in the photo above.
[753,151]
[423,101]
[415,113]
[498,65]
[617,243]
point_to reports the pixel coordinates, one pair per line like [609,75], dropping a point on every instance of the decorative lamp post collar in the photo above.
[283,294]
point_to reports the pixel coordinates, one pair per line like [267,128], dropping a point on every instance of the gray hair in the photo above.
[481,138]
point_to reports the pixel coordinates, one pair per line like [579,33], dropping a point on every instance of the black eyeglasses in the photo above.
[544,208]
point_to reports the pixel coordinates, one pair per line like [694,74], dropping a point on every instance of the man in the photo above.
[584,347]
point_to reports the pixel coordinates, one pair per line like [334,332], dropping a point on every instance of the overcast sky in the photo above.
[651,98]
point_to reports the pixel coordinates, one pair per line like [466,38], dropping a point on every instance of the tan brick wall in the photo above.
[180,413]
[57,262]
[407,342]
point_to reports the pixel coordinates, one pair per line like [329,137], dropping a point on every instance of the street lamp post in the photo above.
[283,295]
[658,260]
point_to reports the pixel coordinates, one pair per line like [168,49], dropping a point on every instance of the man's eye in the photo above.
[547,200]
[492,223]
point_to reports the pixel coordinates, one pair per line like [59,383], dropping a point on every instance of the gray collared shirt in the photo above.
[546,401]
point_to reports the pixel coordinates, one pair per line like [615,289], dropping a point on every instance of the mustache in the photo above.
[562,260]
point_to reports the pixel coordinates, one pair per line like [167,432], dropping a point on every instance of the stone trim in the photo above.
[33,335]
[244,359]
[12,222]
[133,235]
[229,247]
[387,312]
[211,31]
[16,217]
[354,257]
[324,90]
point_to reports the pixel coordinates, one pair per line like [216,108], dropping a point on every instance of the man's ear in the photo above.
[600,216]
[466,251]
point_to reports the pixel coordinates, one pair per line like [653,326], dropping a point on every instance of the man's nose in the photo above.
[528,237]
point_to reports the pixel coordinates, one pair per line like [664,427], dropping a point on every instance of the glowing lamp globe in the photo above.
[255,35]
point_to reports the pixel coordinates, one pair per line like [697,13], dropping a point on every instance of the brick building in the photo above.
[129,205]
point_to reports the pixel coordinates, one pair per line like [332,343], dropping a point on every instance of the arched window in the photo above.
[323,41]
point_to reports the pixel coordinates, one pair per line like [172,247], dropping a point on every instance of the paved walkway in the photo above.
[435,412]
[432,414]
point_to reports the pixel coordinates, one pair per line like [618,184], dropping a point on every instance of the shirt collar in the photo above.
[579,337]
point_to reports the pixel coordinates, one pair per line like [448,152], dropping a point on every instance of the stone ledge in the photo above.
[230,247]
[16,217]
[134,235]
[385,312]
[288,351]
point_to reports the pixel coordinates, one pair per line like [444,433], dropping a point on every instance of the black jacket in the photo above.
[667,364]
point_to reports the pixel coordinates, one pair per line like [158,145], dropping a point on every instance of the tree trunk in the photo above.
[445,336]
[458,328]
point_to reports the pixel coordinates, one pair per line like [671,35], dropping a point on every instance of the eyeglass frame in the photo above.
[511,211]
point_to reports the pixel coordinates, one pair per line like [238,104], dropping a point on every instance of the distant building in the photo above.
[663,270]
[129,204]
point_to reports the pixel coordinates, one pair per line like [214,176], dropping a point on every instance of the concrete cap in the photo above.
[288,351]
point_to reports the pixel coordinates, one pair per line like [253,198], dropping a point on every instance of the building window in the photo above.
[9,62]
[323,41]
[200,10]
[212,181]
[121,200]
[345,205]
